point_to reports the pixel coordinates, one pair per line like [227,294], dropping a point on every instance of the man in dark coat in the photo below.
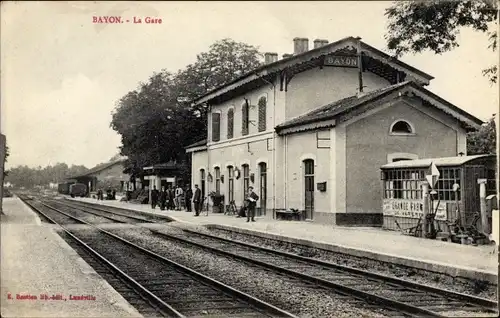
[163,198]
[252,203]
[154,197]
[197,200]
[188,195]
[170,198]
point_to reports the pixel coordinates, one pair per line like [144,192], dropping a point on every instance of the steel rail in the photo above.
[90,212]
[252,301]
[82,206]
[478,301]
[391,303]
[170,311]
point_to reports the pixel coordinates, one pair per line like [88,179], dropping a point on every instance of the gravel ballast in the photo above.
[467,286]
[294,296]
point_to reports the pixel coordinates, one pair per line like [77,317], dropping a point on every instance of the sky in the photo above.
[62,74]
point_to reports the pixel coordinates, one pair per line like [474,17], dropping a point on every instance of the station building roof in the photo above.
[439,162]
[98,168]
[199,145]
[171,165]
[375,59]
[340,107]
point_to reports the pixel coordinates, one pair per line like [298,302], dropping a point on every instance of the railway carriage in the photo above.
[78,190]
[63,188]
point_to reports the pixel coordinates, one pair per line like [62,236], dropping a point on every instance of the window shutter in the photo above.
[244,117]
[215,127]
[230,123]
[262,114]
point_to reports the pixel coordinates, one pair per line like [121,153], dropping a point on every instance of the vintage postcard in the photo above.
[249,159]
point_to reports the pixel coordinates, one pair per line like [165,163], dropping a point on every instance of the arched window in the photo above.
[401,127]
[202,182]
[215,126]
[230,123]
[217,179]
[245,118]
[262,113]
[246,179]
[230,183]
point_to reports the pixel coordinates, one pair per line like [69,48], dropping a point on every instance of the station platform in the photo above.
[35,260]
[477,262]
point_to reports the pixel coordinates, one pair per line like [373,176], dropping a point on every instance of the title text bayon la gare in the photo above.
[117,20]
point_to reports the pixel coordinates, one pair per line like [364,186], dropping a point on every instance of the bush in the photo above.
[217,198]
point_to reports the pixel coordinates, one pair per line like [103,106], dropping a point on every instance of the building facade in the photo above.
[311,131]
[104,176]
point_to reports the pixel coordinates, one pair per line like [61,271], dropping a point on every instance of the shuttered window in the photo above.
[262,114]
[215,127]
[230,123]
[244,119]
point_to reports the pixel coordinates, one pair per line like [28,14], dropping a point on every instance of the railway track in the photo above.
[114,216]
[162,287]
[114,211]
[51,215]
[402,296]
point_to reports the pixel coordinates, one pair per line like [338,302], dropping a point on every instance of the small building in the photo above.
[164,175]
[310,131]
[106,175]
[402,192]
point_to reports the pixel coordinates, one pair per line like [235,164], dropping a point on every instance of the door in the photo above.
[309,188]
[470,192]
[263,187]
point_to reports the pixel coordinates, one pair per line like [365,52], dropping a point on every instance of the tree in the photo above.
[115,157]
[415,26]
[7,153]
[24,176]
[482,141]
[155,126]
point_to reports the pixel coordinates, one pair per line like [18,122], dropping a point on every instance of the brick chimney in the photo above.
[270,57]
[274,57]
[319,43]
[300,45]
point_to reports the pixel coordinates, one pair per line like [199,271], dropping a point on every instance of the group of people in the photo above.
[110,194]
[172,199]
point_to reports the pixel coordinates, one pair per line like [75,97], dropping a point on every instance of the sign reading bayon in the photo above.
[341,61]
[410,209]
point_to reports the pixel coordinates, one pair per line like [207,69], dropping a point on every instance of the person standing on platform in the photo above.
[170,198]
[197,200]
[163,198]
[187,198]
[252,203]
[154,197]
[178,195]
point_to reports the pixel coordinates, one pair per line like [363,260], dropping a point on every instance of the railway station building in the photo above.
[311,131]
[106,175]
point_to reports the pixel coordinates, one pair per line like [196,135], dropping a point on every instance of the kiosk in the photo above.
[455,194]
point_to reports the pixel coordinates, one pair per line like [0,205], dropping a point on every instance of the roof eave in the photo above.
[195,149]
[462,115]
[311,54]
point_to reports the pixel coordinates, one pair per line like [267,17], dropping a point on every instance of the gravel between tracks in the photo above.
[267,286]
[461,285]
